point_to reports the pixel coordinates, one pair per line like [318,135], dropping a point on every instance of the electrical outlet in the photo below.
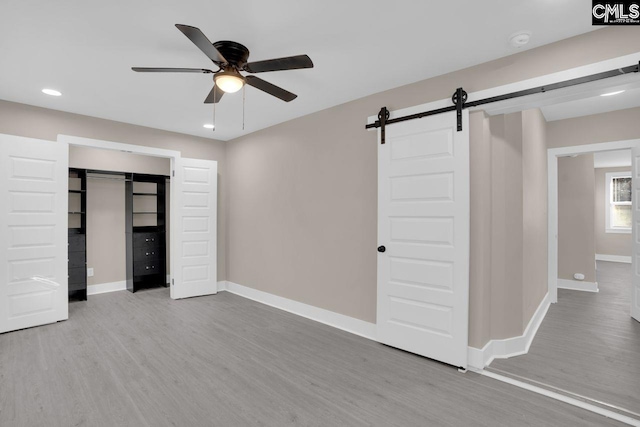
[89,272]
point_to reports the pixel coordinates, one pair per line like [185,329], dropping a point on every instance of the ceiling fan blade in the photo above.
[214,96]
[171,70]
[271,89]
[288,63]
[199,39]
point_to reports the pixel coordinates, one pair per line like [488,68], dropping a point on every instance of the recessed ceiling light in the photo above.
[520,38]
[208,126]
[612,93]
[51,92]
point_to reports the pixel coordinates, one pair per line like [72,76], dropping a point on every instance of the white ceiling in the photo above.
[86,50]
[612,159]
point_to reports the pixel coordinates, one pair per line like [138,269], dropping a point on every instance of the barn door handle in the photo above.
[381,249]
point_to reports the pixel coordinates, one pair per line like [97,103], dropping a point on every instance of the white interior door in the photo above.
[423,222]
[193,228]
[635,259]
[33,232]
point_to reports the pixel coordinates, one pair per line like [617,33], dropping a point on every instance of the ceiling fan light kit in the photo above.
[231,58]
[229,81]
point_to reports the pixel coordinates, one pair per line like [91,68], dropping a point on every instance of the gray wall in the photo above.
[312,181]
[535,212]
[508,259]
[614,126]
[576,222]
[506,225]
[608,243]
[41,123]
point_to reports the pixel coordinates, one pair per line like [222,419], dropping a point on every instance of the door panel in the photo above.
[33,232]
[195,270]
[423,221]
[635,259]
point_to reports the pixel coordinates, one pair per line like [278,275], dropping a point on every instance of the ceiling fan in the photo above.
[231,58]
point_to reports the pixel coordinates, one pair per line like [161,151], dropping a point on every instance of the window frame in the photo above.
[609,203]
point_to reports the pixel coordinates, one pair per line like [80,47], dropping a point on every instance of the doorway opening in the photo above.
[108,169]
[192,215]
[586,347]
[113,197]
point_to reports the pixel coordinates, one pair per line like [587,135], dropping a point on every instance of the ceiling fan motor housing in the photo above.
[235,53]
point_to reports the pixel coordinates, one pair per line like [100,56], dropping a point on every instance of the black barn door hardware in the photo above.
[383,116]
[459,99]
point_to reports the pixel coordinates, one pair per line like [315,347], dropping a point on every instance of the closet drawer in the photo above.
[144,268]
[77,276]
[77,287]
[76,259]
[144,240]
[148,254]
[76,242]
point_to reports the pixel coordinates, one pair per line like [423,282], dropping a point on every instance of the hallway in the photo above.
[588,344]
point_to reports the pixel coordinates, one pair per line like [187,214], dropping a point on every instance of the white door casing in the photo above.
[33,232]
[635,258]
[423,221]
[195,187]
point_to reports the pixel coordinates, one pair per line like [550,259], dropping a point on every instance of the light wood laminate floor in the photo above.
[588,344]
[144,360]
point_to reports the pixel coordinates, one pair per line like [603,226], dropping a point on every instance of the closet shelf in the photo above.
[76,213]
[77,191]
[145,231]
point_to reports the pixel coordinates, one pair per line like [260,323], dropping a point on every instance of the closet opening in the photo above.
[118,225]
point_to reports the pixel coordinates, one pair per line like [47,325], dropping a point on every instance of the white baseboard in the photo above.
[613,258]
[336,320]
[103,288]
[509,347]
[578,285]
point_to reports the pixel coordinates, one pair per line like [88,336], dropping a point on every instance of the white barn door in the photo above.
[423,225]
[193,229]
[635,259]
[34,181]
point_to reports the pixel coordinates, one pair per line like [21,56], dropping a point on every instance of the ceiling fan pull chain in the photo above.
[243,102]
[214,112]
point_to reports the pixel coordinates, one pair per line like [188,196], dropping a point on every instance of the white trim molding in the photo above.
[552,167]
[578,285]
[330,318]
[103,288]
[608,204]
[112,145]
[613,258]
[510,347]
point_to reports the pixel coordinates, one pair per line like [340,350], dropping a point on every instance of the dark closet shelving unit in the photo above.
[77,243]
[145,231]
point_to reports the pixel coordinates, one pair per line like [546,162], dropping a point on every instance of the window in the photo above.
[618,202]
